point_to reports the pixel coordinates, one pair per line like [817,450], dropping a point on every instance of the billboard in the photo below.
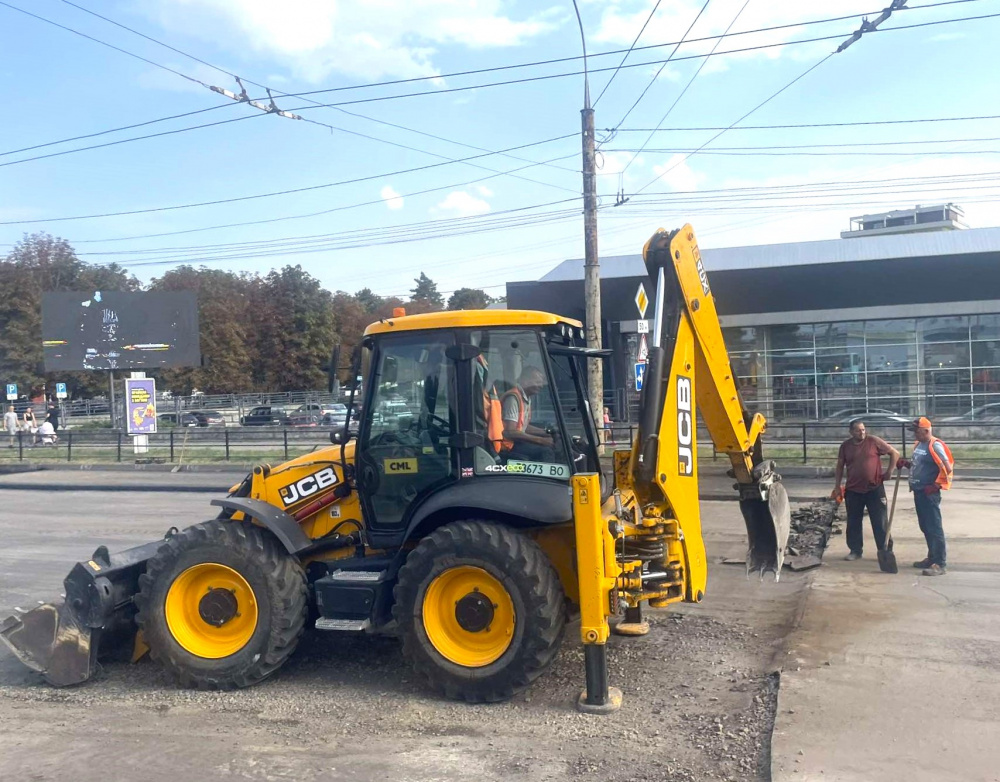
[119,330]
[140,405]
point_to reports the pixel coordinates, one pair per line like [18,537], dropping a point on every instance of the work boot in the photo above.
[934,570]
[854,555]
[924,563]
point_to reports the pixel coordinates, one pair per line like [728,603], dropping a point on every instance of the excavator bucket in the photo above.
[768,523]
[63,640]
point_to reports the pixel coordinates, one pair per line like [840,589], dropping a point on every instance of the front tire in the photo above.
[222,605]
[480,609]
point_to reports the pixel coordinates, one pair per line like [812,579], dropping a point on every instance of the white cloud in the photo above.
[484,191]
[621,20]
[676,174]
[462,204]
[373,39]
[392,199]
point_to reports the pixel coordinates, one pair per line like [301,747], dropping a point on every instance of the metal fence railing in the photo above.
[172,446]
[813,442]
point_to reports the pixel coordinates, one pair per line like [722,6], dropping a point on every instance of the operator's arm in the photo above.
[511,431]
[885,449]
[839,474]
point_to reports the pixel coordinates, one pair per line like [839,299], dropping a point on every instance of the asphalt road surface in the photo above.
[699,694]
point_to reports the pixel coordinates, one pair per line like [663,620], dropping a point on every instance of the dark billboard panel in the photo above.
[119,330]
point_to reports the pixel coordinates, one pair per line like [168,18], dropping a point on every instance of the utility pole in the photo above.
[591,264]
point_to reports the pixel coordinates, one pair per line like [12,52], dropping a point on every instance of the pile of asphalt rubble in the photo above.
[812,527]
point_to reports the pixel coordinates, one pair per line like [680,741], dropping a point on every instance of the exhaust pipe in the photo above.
[63,640]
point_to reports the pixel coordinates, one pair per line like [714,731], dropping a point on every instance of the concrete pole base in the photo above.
[613,703]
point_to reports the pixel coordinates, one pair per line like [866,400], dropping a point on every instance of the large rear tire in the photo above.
[222,605]
[480,609]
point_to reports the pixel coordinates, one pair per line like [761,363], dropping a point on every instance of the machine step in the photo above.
[344,625]
[357,576]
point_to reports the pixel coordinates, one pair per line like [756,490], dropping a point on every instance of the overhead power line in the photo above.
[628,51]
[290,191]
[813,124]
[866,29]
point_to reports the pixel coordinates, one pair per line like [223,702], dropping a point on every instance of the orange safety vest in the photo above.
[944,477]
[492,411]
[522,417]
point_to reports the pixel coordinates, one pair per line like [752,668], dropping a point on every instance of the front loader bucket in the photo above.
[51,639]
[63,640]
[768,524]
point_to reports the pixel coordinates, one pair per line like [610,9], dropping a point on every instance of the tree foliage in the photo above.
[469,299]
[265,333]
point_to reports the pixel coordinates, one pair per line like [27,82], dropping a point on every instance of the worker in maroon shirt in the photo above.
[862,456]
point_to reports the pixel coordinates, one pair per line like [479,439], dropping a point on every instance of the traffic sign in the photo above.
[640,373]
[61,392]
[642,327]
[641,300]
[12,392]
[643,349]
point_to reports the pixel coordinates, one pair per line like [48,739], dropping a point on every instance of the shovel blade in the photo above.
[887,561]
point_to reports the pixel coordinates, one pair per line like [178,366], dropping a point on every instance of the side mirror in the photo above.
[338,436]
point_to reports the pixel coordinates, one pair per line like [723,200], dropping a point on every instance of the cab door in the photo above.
[404,452]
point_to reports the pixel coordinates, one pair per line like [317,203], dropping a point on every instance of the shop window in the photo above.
[890,332]
[840,335]
[946,356]
[951,329]
[791,337]
[986,327]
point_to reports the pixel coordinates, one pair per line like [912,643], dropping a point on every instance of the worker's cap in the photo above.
[920,423]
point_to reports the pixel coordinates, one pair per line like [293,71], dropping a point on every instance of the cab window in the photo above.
[409,421]
[515,411]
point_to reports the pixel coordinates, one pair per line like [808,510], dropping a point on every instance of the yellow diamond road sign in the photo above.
[641,300]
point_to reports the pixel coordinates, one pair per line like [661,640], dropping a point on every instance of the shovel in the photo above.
[886,557]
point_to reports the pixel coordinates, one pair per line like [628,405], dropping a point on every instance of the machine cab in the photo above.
[484,410]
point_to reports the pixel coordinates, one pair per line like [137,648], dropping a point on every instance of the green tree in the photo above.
[294,330]
[469,299]
[425,294]
[37,264]
[225,330]
[368,299]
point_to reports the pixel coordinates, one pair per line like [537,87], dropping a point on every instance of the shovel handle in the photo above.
[892,508]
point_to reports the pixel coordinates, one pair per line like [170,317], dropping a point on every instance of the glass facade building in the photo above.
[935,366]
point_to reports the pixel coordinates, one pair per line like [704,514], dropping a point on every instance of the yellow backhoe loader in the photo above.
[467,516]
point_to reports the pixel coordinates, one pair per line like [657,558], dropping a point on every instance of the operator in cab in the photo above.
[521,440]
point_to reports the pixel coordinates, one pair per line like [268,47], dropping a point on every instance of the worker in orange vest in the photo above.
[931,470]
[521,440]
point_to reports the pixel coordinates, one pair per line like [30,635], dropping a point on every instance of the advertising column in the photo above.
[140,410]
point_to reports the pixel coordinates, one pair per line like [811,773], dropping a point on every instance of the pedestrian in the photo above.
[47,434]
[30,424]
[931,470]
[53,416]
[10,424]
[608,436]
[861,455]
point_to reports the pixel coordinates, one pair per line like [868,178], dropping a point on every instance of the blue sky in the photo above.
[60,85]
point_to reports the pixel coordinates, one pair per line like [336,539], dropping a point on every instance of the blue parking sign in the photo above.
[61,391]
[11,392]
[640,373]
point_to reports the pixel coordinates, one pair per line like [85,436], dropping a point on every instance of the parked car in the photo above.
[209,418]
[302,418]
[884,419]
[169,420]
[985,413]
[265,415]
[876,414]
[335,415]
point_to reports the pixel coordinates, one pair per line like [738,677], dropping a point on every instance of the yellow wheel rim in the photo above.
[208,622]
[468,616]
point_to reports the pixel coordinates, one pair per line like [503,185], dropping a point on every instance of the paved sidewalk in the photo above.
[892,677]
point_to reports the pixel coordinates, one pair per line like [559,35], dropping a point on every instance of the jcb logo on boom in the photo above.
[306,487]
[685,427]
[702,274]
